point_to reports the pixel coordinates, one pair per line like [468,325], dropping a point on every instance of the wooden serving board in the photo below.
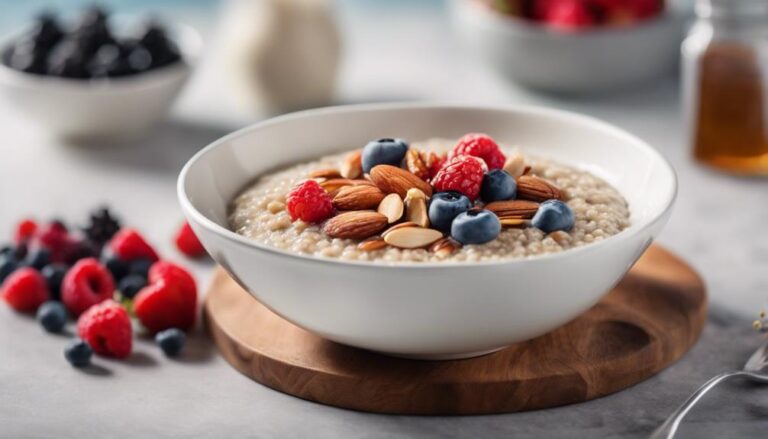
[648,321]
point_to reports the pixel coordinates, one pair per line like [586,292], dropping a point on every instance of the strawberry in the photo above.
[129,245]
[170,299]
[188,243]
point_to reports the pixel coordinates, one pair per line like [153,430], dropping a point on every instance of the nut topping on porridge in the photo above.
[419,203]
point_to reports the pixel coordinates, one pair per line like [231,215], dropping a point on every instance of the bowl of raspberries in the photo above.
[573,46]
[92,77]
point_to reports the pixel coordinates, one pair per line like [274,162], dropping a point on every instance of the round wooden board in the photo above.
[652,317]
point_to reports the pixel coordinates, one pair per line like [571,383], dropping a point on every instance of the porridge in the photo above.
[436,200]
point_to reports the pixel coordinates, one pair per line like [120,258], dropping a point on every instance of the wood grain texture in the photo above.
[649,320]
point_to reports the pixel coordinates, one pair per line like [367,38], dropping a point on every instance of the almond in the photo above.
[416,210]
[416,165]
[352,167]
[392,207]
[444,247]
[412,237]
[391,179]
[325,173]
[358,224]
[513,222]
[399,226]
[362,197]
[414,194]
[333,185]
[515,164]
[536,189]
[521,208]
[371,244]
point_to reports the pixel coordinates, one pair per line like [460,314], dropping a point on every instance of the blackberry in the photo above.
[102,226]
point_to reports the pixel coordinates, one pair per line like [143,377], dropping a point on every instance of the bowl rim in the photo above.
[188,39]
[634,229]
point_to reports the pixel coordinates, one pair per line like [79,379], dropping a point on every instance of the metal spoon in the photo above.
[756,369]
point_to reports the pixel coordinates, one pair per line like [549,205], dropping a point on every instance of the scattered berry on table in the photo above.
[80,249]
[102,226]
[52,316]
[568,15]
[170,299]
[25,290]
[107,329]
[129,245]
[475,227]
[164,270]
[7,266]
[482,146]
[118,267]
[78,353]
[25,230]
[309,202]
[171,341]
[188,243]
[38,258]
[55,237]
[498,185]
[383,152]
[461,174]
[553,215]
[131,284]
[443,208]
[86,284]
[54,275]
[140,267]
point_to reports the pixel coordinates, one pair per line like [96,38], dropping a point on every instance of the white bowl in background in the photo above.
[427,310]
[110,109]
[593,60]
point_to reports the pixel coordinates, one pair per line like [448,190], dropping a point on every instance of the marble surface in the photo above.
[718,226]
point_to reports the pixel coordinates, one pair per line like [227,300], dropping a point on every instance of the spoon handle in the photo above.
[669,427]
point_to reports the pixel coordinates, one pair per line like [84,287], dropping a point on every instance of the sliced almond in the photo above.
[416,211]
[399,226]
[413,194]
[352,167]
[371,244]
[392,179]
[412,237]
[361,197]
[359,224]
[416,165]
[521,208]
[325,173]
[444,247]
[536,189]
[334,184]
[514,222]
[515,164]
[560,237]
[392,207]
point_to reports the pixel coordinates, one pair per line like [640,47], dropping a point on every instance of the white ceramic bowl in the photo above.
[100,110]
[570,62]
[434,311]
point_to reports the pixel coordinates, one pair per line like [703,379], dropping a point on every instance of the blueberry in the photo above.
[131,284]
[118,267]
[140,267]
[498,185]
[46,31]
[383,152]
[7,266]
[39,258]
[110,60]
[68,60]
[52,316]
[21,251]
[78,353]
[553,215]
[139,59]
[54,274]
[475,227]
[25,56]
[171,341]
[443,208]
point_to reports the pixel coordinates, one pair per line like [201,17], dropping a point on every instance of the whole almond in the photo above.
[536,189]
[521,208]
[352,167]
[362,197]
[358,224]
[412,237]
[392,207]
[333,185]
[515,164]
[391,179]
[325,173]
[416,211]
[416,165]
[371,244]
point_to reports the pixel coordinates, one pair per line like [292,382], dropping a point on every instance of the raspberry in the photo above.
[25,290]
[25,231]
[128,245]
[309,202]
[107,329]
[480,145]
[55,237]
[188,243]
[164,304]
[569,15]
[461,174]
[436,164]
[164,270]
[86,284]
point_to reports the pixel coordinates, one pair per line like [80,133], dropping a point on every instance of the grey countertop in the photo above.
[718,226]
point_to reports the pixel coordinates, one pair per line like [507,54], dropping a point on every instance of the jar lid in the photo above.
[732,8]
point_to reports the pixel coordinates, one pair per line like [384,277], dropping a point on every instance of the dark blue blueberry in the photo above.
[443,208]
[21,251]
[7,266]
[39,258]
[52,316]
[131,284]
[553,215]
[78,353]
[383,152]
[475,227]
[118,267]
[8,252]
[54,274]
[171,341]
[140,266]
[498,185]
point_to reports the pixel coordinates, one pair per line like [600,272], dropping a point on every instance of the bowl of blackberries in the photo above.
[94,77]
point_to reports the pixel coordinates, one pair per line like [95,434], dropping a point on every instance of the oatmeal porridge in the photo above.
[436,200]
